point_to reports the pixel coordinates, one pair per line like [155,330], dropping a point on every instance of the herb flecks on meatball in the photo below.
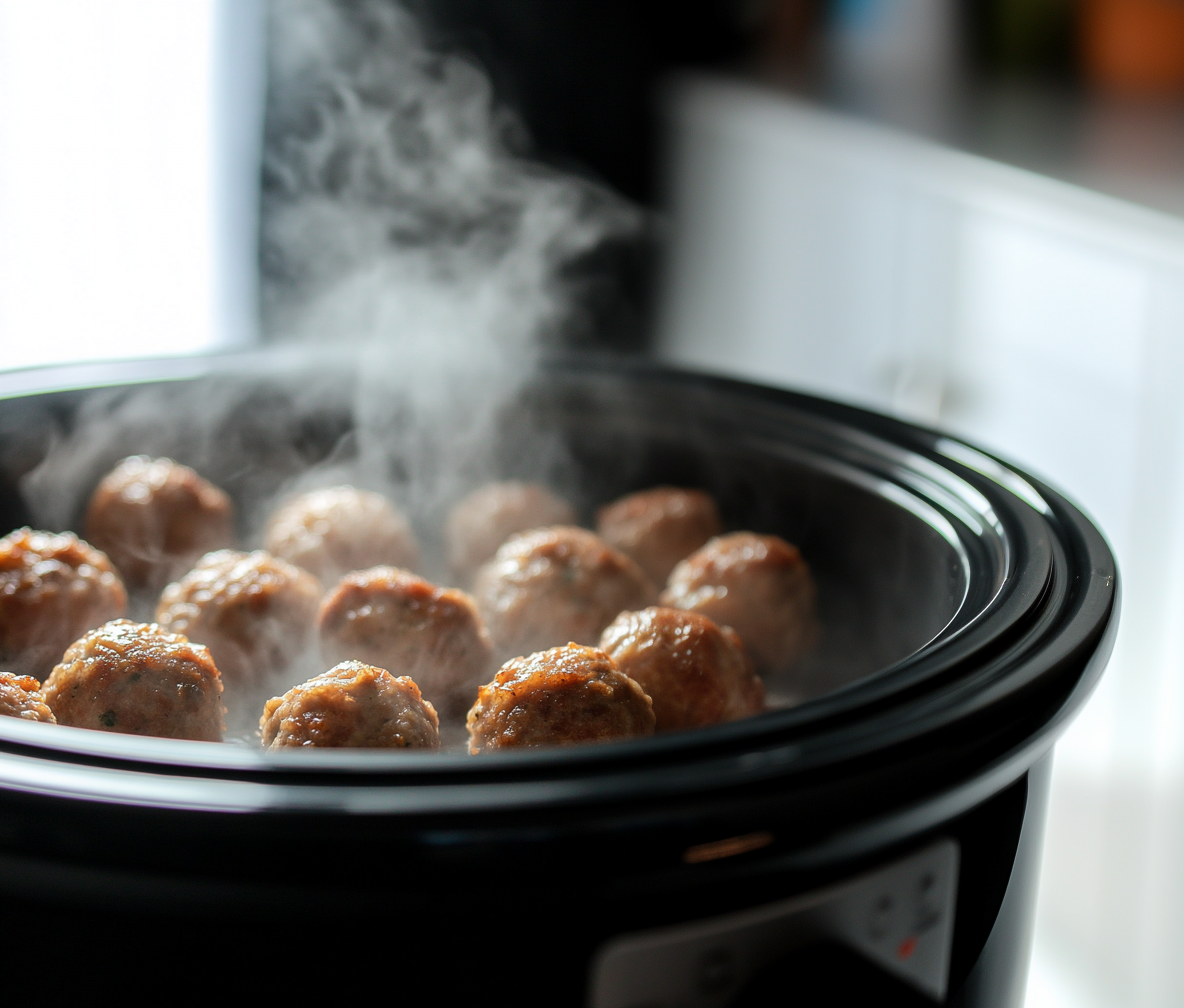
[154,518]
[21,697]
[659,527]
[398,621]
[562,696]
[256,614]
[553,585]
[333,531]
[760,586]
[487,517]
[135,678]
[53,588]
[695,672]
[352,705]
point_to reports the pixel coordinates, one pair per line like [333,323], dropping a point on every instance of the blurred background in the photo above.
[969,213]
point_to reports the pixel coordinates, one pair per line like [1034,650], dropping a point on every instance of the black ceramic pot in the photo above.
[874,844]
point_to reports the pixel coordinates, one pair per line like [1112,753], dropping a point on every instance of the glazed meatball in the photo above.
[485,519]
[137,679]
[353,705]
[53,588]
[333,531]
[760,586]
[558,697]
[21,697]
[553,585]
[255,613]
[154,518]
[396,620]
[659,527]
[696,673]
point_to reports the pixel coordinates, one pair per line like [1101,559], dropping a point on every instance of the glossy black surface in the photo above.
[968,612]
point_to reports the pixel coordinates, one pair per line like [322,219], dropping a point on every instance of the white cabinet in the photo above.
[1036,318]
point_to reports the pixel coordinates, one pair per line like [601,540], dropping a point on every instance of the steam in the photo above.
[404,234]
[399,217]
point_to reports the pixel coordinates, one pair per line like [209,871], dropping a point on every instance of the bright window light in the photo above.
[127,177]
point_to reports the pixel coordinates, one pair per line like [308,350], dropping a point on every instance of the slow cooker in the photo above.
[873,839]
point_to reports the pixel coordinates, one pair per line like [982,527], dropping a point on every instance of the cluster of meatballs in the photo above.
[564,635]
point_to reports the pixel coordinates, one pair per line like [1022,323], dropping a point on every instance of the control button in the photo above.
[880,923]
[891,926]
[928,913]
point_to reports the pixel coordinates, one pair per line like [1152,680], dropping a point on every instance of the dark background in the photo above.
[583,73]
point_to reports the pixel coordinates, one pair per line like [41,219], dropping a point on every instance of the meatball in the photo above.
[760,586]
[553,585]
[396,620]
[333,531]
[21,697]
[254,612]
[154,518]
[53,588]
[137,679]
[659,527]
[485,519]
[696,673]
[353,705]
[558,697]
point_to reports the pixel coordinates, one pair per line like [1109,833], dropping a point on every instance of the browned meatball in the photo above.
[760,586]
[558,697]
[53,588]
[135,678]
[485,519]
[696,673]
[553,585]
[154,518]
[339,529]
[255,613]
[353,706]
[396,620]
[659,527]
[21,697]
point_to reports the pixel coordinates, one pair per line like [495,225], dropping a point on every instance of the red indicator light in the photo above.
[906,948]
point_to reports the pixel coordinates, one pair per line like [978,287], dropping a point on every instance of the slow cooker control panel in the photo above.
[899,917]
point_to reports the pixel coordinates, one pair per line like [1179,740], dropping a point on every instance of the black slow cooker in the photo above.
[873,840]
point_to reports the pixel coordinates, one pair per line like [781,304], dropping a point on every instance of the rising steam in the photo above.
[398,217]
[403,230]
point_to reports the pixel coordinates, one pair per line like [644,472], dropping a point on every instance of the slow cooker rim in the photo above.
[147,754]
